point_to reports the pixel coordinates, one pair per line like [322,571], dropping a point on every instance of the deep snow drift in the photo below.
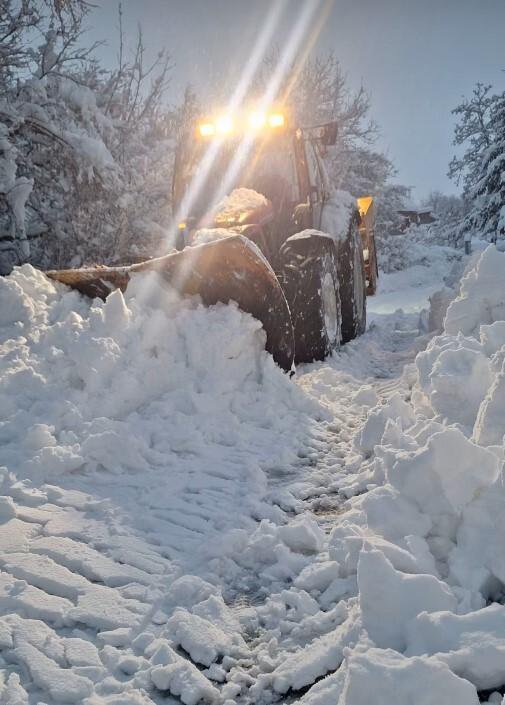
[425,542]
[179,518]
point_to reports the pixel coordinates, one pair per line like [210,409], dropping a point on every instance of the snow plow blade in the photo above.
[231,269]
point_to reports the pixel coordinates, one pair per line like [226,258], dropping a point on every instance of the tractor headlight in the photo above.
[206,129]
[224,125]
[257,120]
[276,120]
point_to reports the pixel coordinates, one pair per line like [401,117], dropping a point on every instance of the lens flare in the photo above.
[224,124]
[206,129]
[257,120]
[301,33]
[276,120]
[264,39]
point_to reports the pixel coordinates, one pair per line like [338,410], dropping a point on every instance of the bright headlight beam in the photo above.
[295,41]
[276,120]
[257,120]
[263,42]
[310,42]
[206,129]
[224,124]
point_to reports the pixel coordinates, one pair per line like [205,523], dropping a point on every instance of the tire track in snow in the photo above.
[377,362]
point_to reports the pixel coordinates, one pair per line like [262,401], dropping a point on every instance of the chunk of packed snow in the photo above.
[385,677]
[482,296]
[181,678]
[493,337]
[374,427]
[366,396]
[302,535]
[472,645]
[317,659]
[478,561]
[459,382]
[13,692]
[386,512]
[61,683]
[489,428]
[443,476]
[201,639]
[317,576]
[205,235]
[390,598]
[347,541]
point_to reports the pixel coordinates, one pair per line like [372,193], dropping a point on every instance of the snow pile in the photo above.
[143,382]
[137,434]
[153,533]
[482,297]
[424,544]
[392,679]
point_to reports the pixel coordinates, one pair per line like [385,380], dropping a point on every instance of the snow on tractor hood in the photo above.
[243,206]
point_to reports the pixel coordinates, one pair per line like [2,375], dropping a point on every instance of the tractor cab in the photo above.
[259,153]
[253,199]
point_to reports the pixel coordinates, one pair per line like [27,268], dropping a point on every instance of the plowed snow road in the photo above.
[165,506]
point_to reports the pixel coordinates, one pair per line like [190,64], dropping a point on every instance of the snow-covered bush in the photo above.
[480,131]
[399,248]
[85,154]
[414,246]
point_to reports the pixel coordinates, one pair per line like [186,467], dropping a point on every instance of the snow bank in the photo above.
[425,541]
[482,296]
[389,599]
[144,382]
[472,645]
[385,677]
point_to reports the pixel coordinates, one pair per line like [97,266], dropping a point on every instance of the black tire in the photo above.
[309,277]
[352,281]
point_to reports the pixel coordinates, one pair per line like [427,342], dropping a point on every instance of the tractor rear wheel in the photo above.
[309,277]
[352,280]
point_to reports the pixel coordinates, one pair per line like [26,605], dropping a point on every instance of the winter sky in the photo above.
[416,58]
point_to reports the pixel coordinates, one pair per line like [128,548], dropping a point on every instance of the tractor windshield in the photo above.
[266,166]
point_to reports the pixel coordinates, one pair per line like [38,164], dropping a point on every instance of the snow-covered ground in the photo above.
[181,522]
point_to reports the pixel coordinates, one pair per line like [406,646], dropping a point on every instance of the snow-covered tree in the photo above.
[26,70]
[318,92]
[474,132]
[392,199]
[449,211]
[487,212]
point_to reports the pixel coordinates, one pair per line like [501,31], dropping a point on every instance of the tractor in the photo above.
[257,222]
